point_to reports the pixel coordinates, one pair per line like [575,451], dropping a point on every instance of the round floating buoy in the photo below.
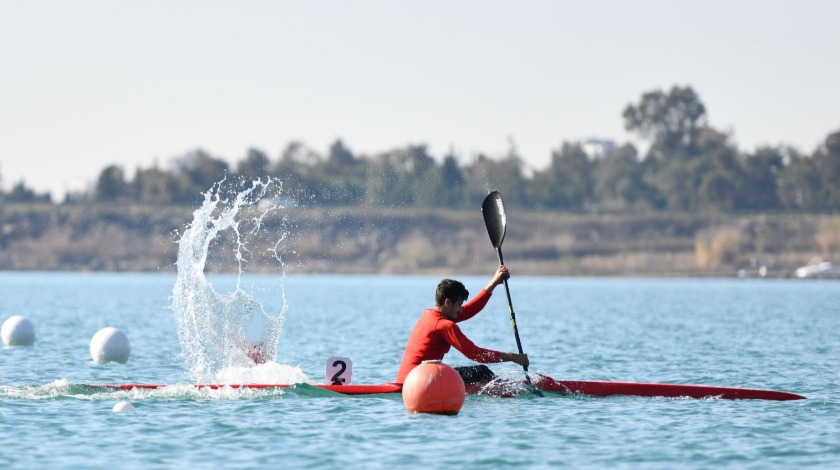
[123,406]
[17,331]
[433,387]
[109,344]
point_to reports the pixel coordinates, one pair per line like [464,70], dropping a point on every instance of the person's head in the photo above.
[452,290]
[449,297]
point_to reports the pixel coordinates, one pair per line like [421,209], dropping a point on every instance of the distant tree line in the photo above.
[21,193]
[688,166]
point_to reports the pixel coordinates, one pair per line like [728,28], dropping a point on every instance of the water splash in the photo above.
[224,333]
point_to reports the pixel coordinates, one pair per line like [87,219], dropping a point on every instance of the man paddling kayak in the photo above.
[437,331]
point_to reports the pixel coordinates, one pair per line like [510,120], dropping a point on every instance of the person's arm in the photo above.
[452,334]
[477,303]
[456,338]
[521,359]
[501,275]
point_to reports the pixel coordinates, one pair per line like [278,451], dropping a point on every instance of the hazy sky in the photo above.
[85,84]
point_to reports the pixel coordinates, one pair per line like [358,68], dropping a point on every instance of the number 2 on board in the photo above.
[339,370]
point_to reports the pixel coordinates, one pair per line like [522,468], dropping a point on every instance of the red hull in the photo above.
[596,389]
[606,389]
[343,389]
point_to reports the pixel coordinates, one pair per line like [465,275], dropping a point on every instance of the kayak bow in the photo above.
[638,389]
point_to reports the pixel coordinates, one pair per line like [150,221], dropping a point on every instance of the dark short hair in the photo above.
[450,289]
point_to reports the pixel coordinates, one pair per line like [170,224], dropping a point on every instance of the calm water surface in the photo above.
[779,335]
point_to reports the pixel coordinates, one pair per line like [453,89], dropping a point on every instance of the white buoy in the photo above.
[110,344]
[17,331]
[123,406]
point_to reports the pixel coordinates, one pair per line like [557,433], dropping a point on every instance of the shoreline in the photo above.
[426,242]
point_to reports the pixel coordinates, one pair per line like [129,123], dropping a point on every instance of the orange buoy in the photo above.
[433,387]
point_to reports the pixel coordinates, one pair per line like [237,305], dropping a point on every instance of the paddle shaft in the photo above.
[512,313]
[531,386]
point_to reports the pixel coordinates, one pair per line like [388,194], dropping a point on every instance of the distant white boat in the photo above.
[818,268]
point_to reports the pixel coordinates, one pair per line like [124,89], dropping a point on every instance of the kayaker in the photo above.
[437,331]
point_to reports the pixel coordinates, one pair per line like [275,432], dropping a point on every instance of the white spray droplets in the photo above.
[218,331]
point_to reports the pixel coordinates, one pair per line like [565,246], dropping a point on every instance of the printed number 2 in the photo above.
[339,370]
[337,379]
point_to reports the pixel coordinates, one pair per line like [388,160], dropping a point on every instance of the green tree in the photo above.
[800,183]
[827,161]
[111,185]
[155,186]
[619,181]
[294,169]
[197,172]
[451,192]
[680,162]
[406,177]
[421,175]
[254,166]
[760,190]
[568,181]
[503,175]
[21,193]
[670,121]
[383,186]
[340,158]
[340,179]
[718,165]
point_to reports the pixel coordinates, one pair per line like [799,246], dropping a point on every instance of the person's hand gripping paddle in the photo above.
[495,219]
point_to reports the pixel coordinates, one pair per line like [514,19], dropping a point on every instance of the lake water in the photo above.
[774,334]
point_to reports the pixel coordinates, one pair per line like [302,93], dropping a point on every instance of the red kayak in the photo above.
[544,383]
[343,389]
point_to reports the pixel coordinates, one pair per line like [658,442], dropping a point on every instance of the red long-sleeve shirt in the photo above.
[434,335]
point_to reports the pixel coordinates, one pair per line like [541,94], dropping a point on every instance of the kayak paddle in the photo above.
[495,218]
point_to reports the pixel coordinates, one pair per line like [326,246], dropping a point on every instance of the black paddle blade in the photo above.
[495,218]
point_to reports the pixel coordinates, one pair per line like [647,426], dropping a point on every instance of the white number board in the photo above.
[339,370]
